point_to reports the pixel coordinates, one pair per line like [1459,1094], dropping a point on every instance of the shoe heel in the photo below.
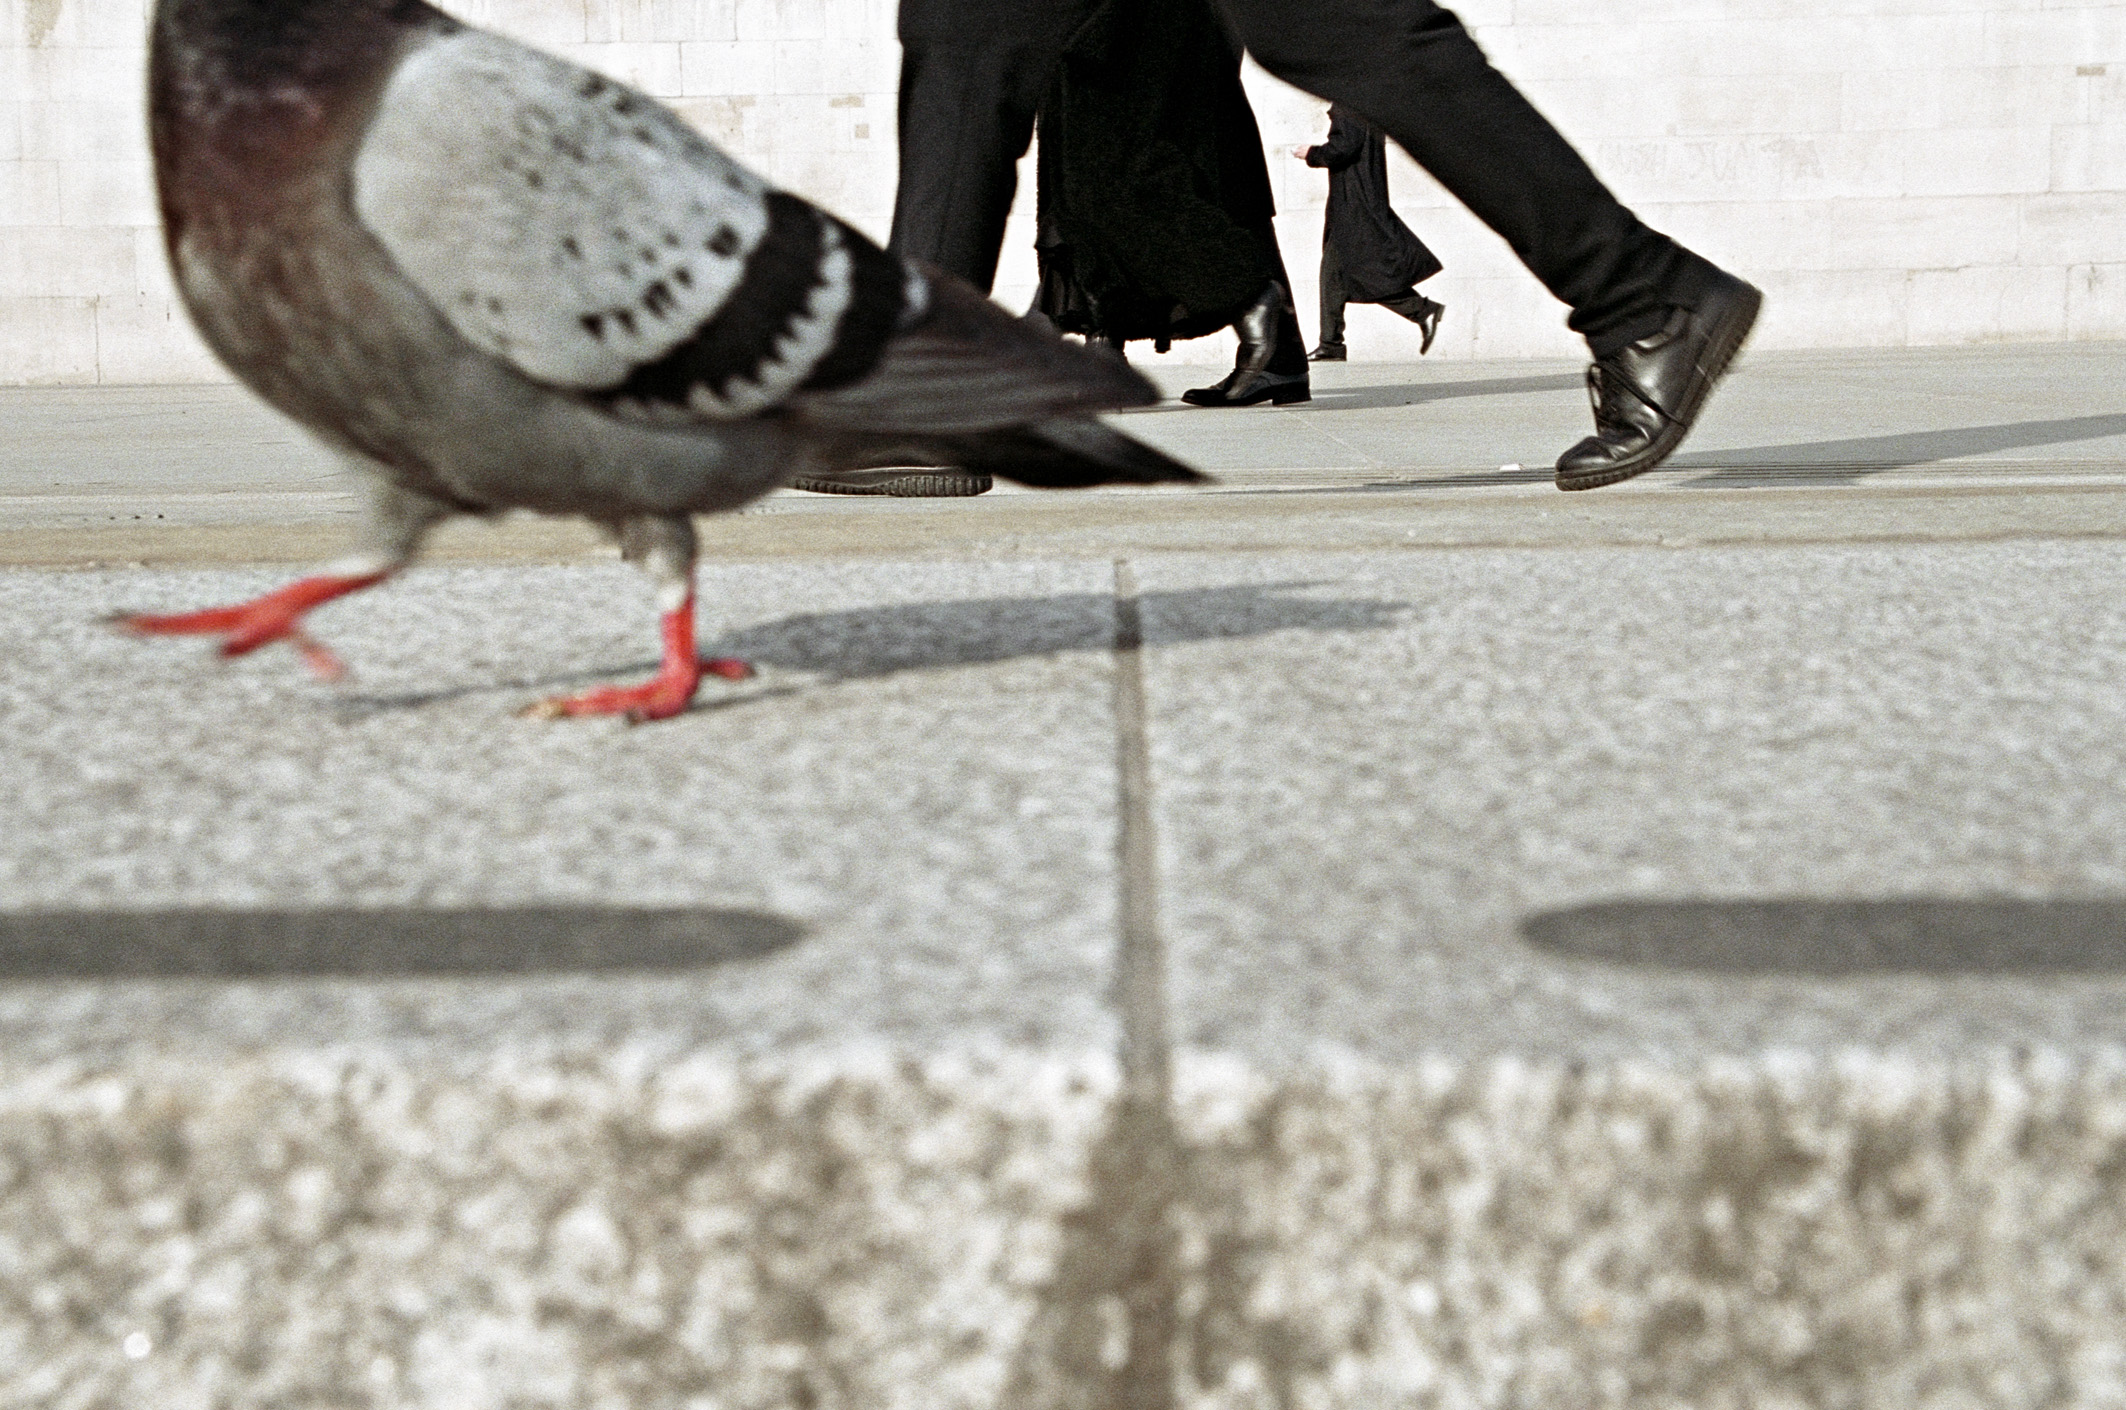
[1286,395]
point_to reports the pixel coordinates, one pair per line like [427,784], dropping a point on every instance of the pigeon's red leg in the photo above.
[664,694]
[394,521]
[664,546]
[277,616]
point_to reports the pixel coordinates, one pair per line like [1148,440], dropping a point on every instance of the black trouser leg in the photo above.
[964,124]
[1412,70]
[1332,298]
[1413,305]
[973,72]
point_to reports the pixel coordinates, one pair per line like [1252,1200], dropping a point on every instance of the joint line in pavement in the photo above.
[1140,976]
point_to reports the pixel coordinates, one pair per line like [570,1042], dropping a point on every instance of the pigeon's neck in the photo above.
[217,59]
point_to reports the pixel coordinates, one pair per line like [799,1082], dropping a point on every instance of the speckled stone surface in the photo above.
[921,777]
[1839,1230]
[1359,814]
[833,1173]
[621,1228]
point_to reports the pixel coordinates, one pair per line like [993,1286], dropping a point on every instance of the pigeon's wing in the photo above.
[583,233]
[963,364]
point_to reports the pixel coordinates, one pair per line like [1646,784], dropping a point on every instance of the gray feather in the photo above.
[557,220]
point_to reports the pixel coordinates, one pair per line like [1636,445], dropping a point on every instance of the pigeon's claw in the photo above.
[320,658]
[247,626]
[659,698]
[663,695]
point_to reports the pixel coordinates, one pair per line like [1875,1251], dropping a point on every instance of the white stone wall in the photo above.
[1892,171]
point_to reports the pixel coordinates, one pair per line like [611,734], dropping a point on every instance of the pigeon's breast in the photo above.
[555,219]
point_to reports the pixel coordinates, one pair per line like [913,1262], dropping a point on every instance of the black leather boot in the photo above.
[1272,362]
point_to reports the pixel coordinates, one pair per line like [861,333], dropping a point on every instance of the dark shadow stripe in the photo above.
[357,943]
[1862,455]
[1104,1333]
[1910,935]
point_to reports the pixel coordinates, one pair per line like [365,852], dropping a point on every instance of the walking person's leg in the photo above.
[963,129]
[1330,346]
[1662,322]
[1425,313]
[972,74]
[1270,361]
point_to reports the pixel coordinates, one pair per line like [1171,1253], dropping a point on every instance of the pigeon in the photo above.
[492,280]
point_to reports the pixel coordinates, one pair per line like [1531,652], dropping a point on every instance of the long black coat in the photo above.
[1155,200]
[1381,257]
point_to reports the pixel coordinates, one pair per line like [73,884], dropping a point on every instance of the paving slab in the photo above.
[1359,813]
[840,1159]
[1532,1045]
[1867,445]
[926,754]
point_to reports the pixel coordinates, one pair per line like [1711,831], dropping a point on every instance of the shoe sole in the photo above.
[913,484]
[1727,341]
[1276,396]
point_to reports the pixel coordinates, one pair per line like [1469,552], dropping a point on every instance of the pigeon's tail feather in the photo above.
[1067,453]
[967,367]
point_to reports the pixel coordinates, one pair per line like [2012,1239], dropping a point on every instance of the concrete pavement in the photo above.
[1380,932]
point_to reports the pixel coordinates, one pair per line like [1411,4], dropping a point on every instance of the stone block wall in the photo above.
[1891,171]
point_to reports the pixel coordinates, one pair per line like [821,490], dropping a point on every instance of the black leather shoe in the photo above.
[1327,352]
[1427,322]
[1647,394]
[1244,388]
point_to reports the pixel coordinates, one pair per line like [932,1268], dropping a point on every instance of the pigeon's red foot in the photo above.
[657,699]
[662,696]
[277,616]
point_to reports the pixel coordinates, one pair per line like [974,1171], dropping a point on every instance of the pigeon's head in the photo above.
[209,54]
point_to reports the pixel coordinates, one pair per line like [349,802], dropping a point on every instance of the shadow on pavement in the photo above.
[880,641]
[1832,462]
[1912,935]
[868,642]
[1419,393]
[380,942]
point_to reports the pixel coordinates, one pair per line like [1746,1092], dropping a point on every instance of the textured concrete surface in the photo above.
[924,755]
[1496,736]
[1399,937]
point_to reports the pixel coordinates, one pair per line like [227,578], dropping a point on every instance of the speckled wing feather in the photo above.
[582,232]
